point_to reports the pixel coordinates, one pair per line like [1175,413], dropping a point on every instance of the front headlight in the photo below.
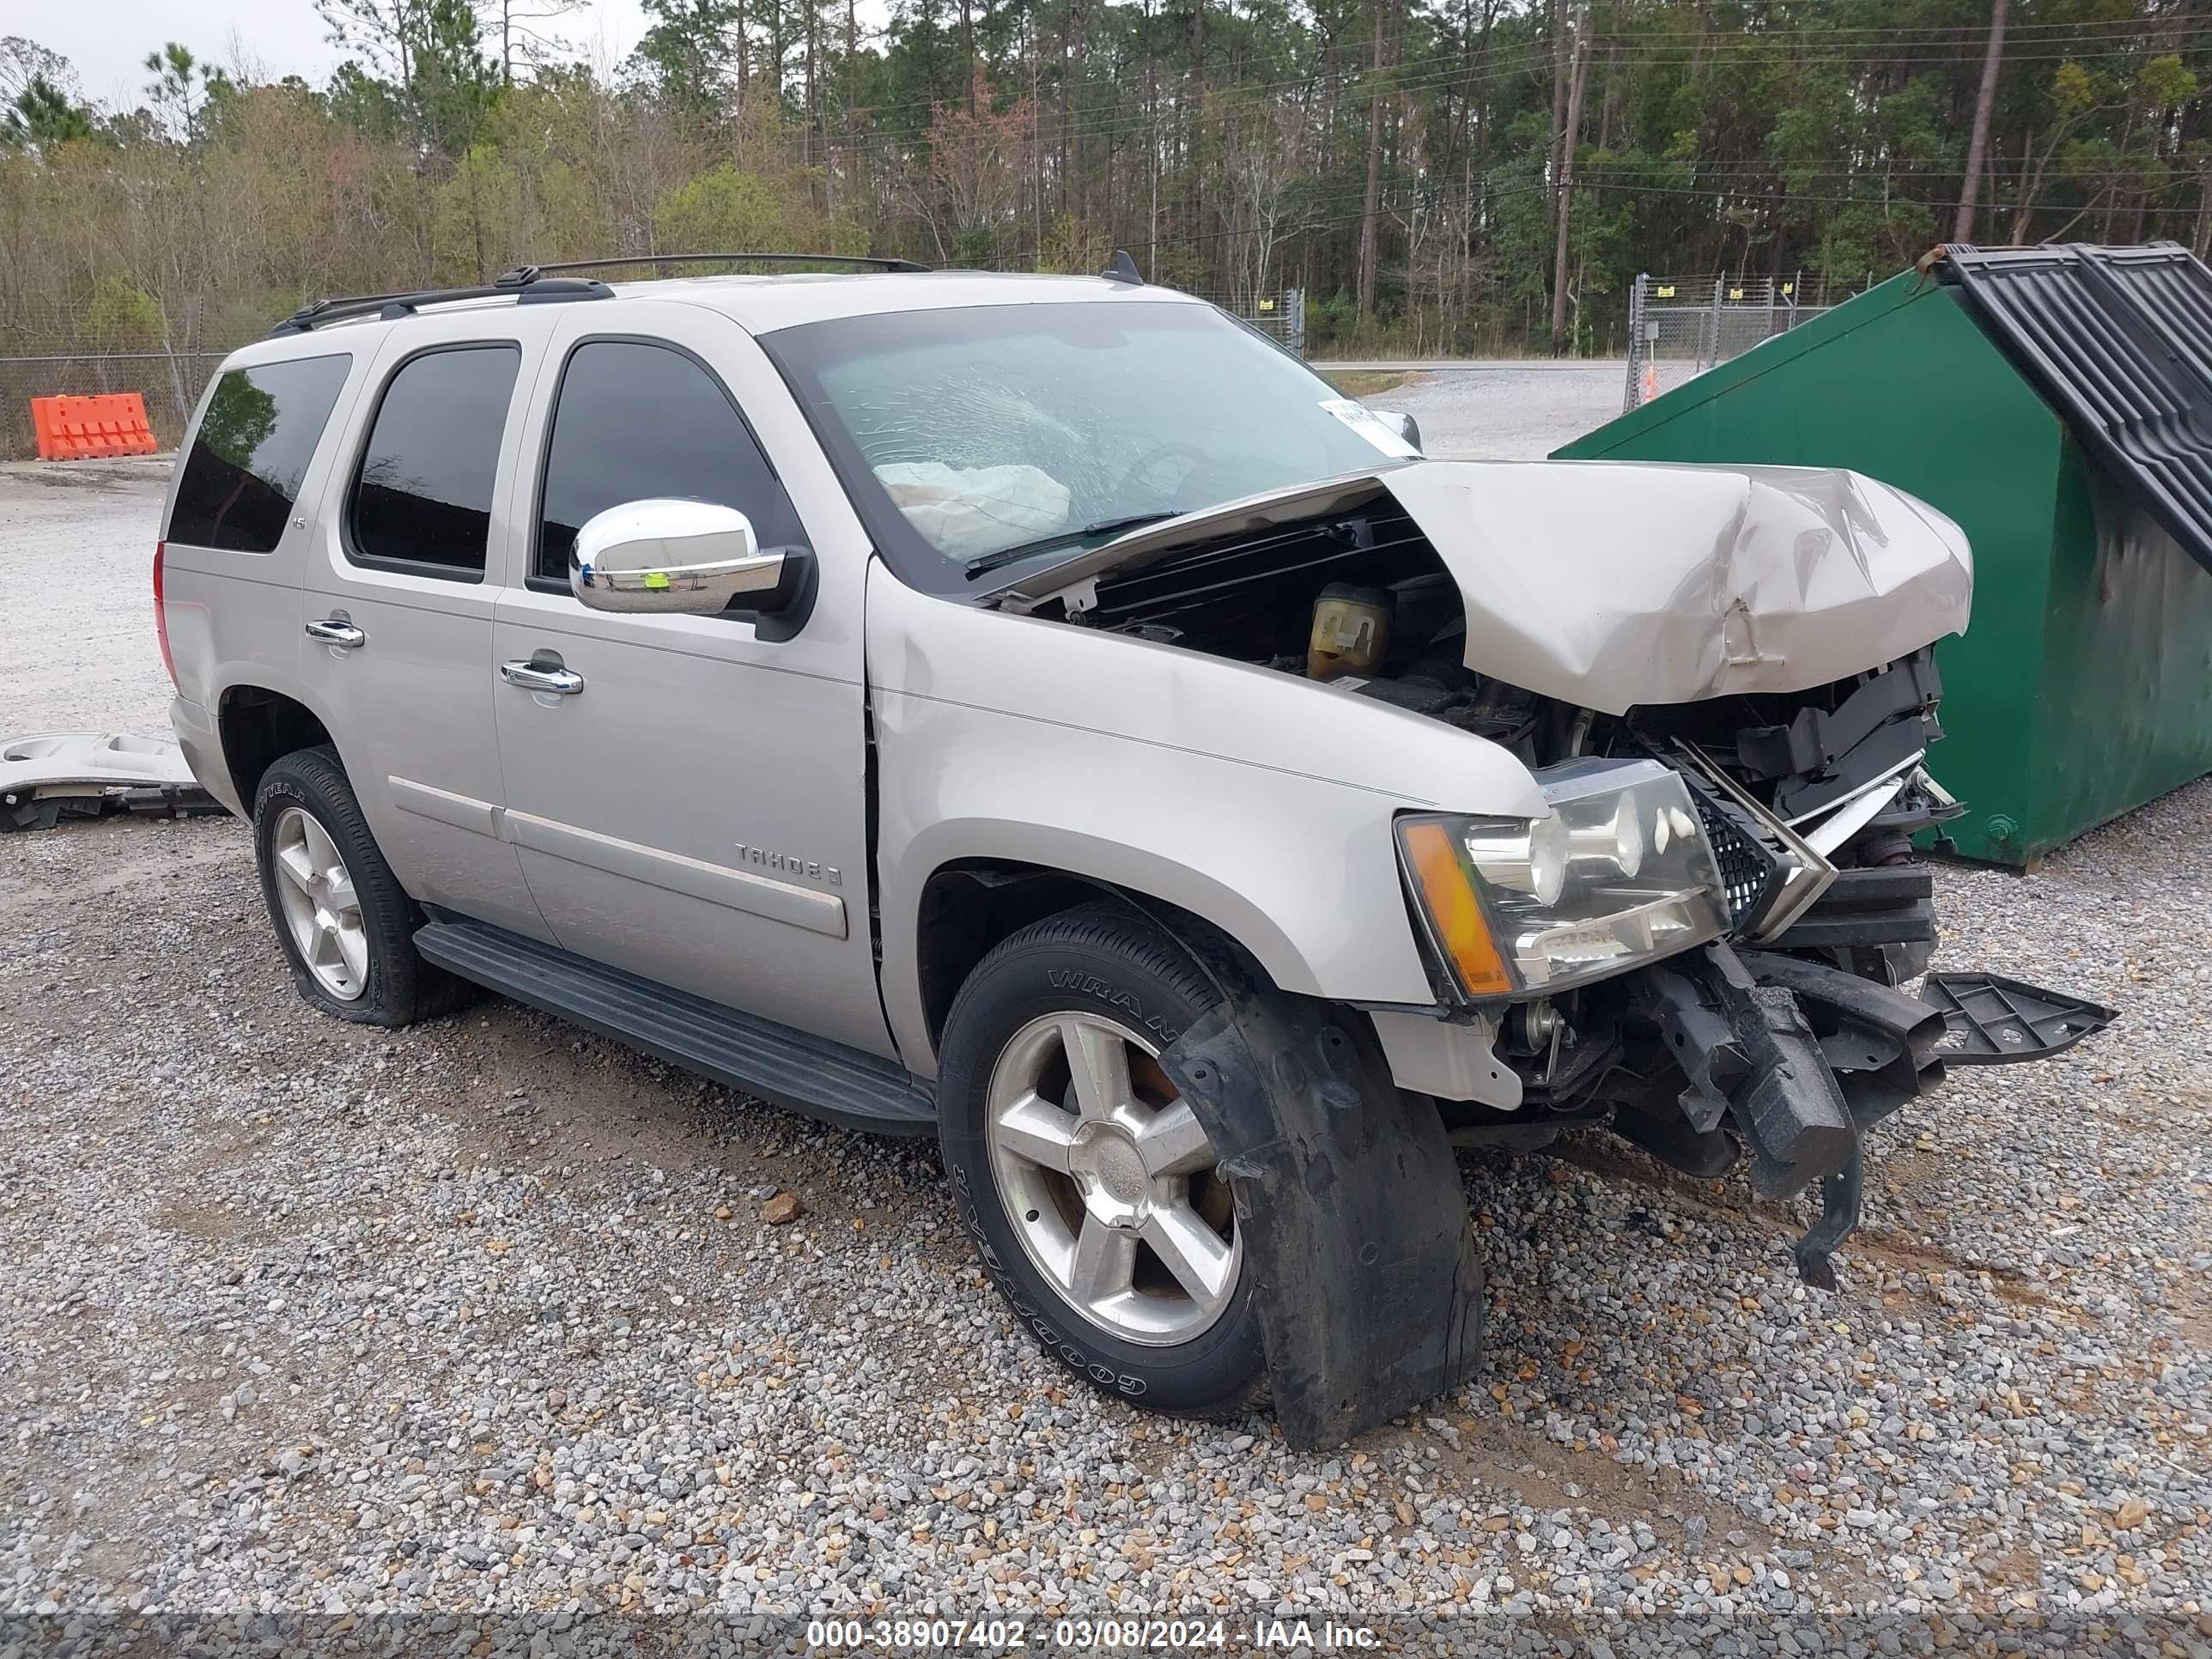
[1621,873]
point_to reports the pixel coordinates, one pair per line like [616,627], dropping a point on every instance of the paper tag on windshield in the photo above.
[1370,426]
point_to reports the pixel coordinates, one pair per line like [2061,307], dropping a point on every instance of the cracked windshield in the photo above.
[1004,429]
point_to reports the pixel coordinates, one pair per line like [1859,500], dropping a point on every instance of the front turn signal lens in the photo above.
[1454,914]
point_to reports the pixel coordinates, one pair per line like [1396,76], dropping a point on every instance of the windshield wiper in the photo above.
[1020,550]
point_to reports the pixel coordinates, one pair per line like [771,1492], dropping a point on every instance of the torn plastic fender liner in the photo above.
[1355,1230]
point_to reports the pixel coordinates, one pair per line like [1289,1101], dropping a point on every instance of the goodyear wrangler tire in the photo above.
[1089,1186]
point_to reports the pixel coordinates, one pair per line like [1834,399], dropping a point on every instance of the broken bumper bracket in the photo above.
[1804,1058]
[1991,1020]
[1839,1219]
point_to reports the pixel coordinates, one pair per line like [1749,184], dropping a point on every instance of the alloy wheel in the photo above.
[320,905]
[1110,1181]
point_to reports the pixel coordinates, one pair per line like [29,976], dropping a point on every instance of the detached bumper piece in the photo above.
[86,774]
[1801,1058]
[1995,1021]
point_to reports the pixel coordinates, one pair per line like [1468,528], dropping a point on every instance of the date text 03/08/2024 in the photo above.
[1088,1635]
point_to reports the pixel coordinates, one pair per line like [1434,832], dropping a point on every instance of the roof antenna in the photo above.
[1123,269]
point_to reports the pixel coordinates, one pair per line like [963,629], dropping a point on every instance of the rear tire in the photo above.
[346,925]
[1091,1191]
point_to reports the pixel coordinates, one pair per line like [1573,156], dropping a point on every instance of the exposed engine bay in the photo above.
[1787,1036]
[1362,602]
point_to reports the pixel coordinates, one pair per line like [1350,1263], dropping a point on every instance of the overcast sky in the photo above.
[108,40]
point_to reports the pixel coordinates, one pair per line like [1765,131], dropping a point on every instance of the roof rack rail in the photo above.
[868,261]
[524,286]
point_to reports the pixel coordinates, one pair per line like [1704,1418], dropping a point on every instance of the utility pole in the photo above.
[1372,202]
[1977,145]
[1567,138]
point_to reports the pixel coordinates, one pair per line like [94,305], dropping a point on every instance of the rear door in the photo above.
[397,646]
[696,811]
[236,532]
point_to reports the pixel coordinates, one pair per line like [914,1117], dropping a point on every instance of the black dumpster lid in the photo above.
[2119,341]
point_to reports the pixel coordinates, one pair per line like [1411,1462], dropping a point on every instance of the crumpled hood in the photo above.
[1609,584]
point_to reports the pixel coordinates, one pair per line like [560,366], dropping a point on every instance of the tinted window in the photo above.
[251,450]
[424,494]
[638,421]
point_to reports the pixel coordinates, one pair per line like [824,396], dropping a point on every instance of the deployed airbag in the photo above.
[963,512]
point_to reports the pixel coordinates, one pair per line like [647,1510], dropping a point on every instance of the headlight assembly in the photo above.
[1619,874]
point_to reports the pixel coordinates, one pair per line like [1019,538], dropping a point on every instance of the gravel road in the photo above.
[487,1320]
[76,608]
[1508,411]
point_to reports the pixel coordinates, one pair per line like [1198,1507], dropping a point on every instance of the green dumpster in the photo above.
[2054,402]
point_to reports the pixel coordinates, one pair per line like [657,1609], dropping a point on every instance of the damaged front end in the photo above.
[1785,1035]
[1723,681]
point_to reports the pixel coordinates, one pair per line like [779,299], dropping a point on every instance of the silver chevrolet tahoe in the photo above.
[1040,712]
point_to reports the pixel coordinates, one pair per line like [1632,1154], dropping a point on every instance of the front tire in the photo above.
[1091,1188]
[346,925]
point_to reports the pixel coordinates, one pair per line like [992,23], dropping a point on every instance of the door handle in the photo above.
[543,677]
[337,630]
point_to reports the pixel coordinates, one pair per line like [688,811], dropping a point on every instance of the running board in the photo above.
[757,1057]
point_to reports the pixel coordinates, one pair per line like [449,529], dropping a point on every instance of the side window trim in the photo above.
[365,434]
[533,579]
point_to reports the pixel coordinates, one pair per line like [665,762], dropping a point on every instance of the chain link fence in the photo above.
[116,338]
[1681,327]
[1282,315]
[170,382]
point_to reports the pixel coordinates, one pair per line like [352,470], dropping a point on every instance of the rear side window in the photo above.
[422,497]
[251,451]
[635,421]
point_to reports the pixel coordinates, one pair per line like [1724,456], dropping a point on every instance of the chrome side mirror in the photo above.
[1401,423]
[662,555]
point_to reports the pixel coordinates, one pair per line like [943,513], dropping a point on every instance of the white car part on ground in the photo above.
[91,773]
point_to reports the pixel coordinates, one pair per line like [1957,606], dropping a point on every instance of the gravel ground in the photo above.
[1508,411]
[487,1321]
[76,560]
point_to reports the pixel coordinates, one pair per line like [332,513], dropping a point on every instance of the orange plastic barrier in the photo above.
[79,428]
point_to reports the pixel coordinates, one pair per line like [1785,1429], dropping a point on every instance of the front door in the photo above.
[398,612]
[692,805]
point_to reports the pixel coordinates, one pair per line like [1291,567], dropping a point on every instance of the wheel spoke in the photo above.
[1174,1144]
[1104,1264]
[353,948]
[1033,1129]
[296,865]
[339,896]
[326,952]
[320,847]
[1191,1250]
[1098,1064]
